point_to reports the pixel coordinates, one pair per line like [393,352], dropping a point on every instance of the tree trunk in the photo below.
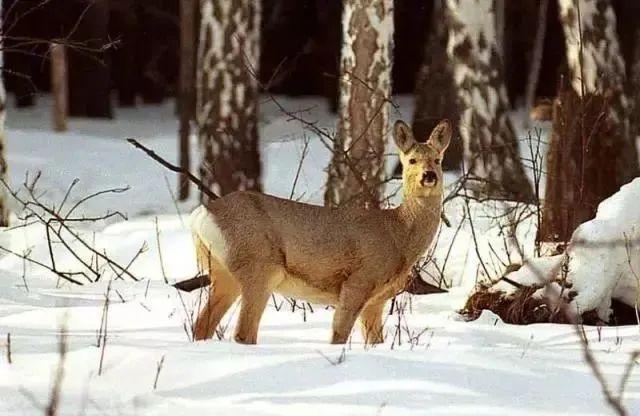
[123,25]
[596,67]
[634,87]
[592,149]
[89,67]
[59,89]
[20,57]
[4,212]
[490,147]
[187,84]
[500,27]
[227,94]
[328,50]
[578,174]
[356,172]
[536,56]
[436,96]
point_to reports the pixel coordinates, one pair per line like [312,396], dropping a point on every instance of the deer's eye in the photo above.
[412,161]
[437,161]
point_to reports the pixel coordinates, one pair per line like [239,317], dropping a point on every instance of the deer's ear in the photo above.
[441,136]
[403,136]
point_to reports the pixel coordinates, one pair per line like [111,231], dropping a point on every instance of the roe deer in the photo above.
[352,258]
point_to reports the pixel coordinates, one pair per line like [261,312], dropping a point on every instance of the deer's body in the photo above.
[352,258]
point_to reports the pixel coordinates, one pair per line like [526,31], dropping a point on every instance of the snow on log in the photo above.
[601,265]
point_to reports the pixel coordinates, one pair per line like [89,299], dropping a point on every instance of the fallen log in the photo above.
[192,284]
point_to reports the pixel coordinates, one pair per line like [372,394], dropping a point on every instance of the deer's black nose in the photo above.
[429,177]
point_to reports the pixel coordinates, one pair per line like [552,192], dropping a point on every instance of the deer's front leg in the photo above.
[352,299]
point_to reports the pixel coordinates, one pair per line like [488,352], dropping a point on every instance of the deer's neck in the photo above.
[420,218]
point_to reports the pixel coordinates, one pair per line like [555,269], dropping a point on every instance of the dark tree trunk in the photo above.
[122,26]
[4,211]
[535,61]
[520,30]
[22,60]
[579,172]
[158,45]
[410,18]
[59,88]
[634,88]
[631,43]
[227,95]
[89,66]
[187,87]
[436,96]
[328,49]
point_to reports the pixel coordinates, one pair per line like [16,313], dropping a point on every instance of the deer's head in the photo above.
[421,162]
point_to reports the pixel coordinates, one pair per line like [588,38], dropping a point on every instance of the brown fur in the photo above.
[352,258]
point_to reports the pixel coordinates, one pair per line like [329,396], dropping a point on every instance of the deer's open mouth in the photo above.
[429,179]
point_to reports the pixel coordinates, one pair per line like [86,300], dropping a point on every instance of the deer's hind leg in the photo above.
[224,290]
[371,321]
[257,286]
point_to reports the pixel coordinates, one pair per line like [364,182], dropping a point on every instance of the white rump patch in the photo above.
[204,226]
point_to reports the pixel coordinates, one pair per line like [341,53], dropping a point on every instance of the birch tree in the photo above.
[227,94]
[592,151]
[356,171]
[490,147]
[596,66]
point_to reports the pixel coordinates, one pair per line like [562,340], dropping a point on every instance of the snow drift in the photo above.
[602,263]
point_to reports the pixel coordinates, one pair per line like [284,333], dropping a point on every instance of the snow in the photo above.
[440,366]
[603,258]
[605,254]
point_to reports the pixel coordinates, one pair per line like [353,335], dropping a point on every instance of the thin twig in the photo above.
[305,151]
[614,402]
[9,348]
[153,155]
[164,273]
[56,388]
[105,329]
[160,364]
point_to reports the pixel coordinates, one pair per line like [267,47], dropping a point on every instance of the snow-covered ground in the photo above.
[440,365]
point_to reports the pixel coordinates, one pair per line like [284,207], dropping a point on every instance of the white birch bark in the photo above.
[597,67]
[227,94]
[490,146]
[356,172]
